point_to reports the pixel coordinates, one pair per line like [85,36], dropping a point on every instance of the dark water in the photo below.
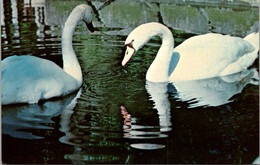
[118,117]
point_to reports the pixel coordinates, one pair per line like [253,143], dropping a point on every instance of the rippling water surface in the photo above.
[118,117]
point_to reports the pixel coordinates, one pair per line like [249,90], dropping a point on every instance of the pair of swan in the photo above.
[28,79]
[207,92]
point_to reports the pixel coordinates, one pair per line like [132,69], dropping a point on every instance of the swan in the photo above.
[28,79]
[199,57]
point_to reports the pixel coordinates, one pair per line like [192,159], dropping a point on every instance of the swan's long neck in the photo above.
[158,71]
[70,61]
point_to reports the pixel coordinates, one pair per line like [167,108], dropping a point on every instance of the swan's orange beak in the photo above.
[128,54]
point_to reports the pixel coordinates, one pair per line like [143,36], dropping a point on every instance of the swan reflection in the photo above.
[159,95]
[214,91]
[206,92]
[18,119]
[134,131]
[65,120]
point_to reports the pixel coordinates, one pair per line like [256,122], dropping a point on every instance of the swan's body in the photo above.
[28,79]
[199,57]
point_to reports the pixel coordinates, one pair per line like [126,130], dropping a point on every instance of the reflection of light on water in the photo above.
[14,12]
[2,13]
[20,120]
[133,131]
[147,146]
[39,20]
[34,3]
[15,18]
[38,9]
[159,95]
[65,120]
[88,139]
[127,117]
[79,156]
[214,91]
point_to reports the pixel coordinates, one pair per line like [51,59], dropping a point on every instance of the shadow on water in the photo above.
[16,119]
[118,117]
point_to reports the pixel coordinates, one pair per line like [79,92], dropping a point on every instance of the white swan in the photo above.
[28,79]
[199,57]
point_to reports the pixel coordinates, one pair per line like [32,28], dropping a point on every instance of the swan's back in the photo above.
[27,79]
[211,55]
[212,42]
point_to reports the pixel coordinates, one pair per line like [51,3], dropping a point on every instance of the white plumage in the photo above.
[199,57]
[28,79]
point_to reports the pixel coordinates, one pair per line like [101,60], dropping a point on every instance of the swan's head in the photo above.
[87,16]
[137,38]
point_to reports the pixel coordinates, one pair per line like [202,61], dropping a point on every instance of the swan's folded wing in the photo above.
[253,38]
[247,53]
[210,54]
[29,79]
[210,44]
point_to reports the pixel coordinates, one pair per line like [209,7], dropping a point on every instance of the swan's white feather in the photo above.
[199,57]
[212,55]
[27,79]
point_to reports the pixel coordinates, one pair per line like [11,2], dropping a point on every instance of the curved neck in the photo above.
[70,61]
[158,70]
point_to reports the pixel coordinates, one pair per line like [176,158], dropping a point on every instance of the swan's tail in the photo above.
[248,59]
[253,39]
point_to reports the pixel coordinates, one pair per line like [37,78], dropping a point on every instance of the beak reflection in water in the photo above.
[138,132]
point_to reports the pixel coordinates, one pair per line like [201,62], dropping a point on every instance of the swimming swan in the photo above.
[28,79]
[199,57]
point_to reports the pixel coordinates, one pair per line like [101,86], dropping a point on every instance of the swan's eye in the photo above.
[130,45]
